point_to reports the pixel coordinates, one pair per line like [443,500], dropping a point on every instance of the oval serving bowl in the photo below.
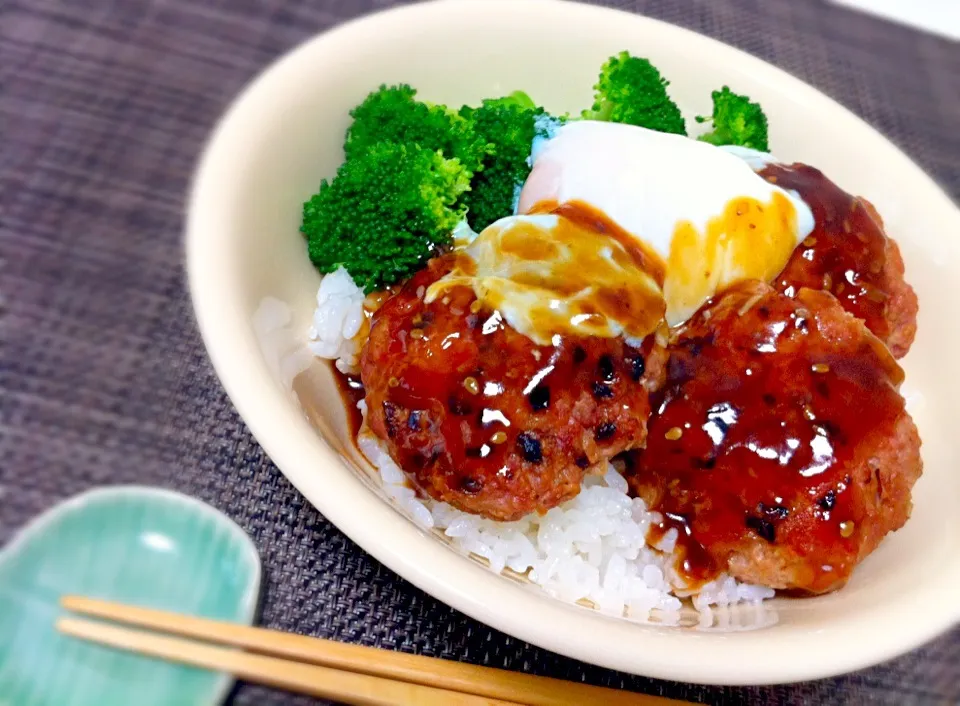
[284,134]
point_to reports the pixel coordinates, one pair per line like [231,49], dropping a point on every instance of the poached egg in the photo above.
[621,227]
[549,275]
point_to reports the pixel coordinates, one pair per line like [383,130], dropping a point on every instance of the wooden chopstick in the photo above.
[384,664]
[347,687]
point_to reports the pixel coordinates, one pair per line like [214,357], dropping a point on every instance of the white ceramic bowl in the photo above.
[284,134]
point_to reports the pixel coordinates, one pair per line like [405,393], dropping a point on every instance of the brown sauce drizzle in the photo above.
[516,382]
[846,252]
[595,220]
[758,428]
[351,392]
[481,416]
[693,562]
[566,276]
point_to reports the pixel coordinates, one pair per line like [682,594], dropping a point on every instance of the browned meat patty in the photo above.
[849,255]
[481,417]
[780,441]
[901,303]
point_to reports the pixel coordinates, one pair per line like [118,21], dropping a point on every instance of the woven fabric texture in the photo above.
[104,107]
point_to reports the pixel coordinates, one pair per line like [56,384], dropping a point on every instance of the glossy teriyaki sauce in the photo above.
[770,405]
[351,392]
[570,272]
[484,418]
[845,254]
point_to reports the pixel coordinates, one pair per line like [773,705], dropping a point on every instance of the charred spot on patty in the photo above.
[605,369]
[605,431]
[470,484]
[828,501]
[459,406]
[602,391]
[539,398]
[391,414]
[762,527]
[776,512]
[530,448]
[703,463]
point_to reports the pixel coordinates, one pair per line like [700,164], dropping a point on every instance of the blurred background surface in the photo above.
[104,109]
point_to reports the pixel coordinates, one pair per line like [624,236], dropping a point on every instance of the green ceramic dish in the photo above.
[133,544]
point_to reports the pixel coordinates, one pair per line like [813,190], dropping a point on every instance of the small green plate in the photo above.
[132,544]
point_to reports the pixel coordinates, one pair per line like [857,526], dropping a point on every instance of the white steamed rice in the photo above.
[591,548]
[338,321]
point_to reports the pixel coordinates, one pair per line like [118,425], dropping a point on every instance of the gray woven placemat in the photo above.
[104,107]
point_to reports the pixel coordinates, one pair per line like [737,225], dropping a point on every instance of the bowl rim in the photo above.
[406,549]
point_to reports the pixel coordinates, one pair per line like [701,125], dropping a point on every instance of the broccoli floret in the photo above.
[631,90]
[736,121]
[509,125]
[392,114]
[385,213]
[517,98]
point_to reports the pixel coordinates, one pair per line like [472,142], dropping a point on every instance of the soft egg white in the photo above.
[550,276]
[624,228]
[702,209]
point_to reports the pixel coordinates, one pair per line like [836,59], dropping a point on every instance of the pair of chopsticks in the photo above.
[352,674]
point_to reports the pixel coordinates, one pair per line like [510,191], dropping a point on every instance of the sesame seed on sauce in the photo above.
[673,433]
[471,385]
